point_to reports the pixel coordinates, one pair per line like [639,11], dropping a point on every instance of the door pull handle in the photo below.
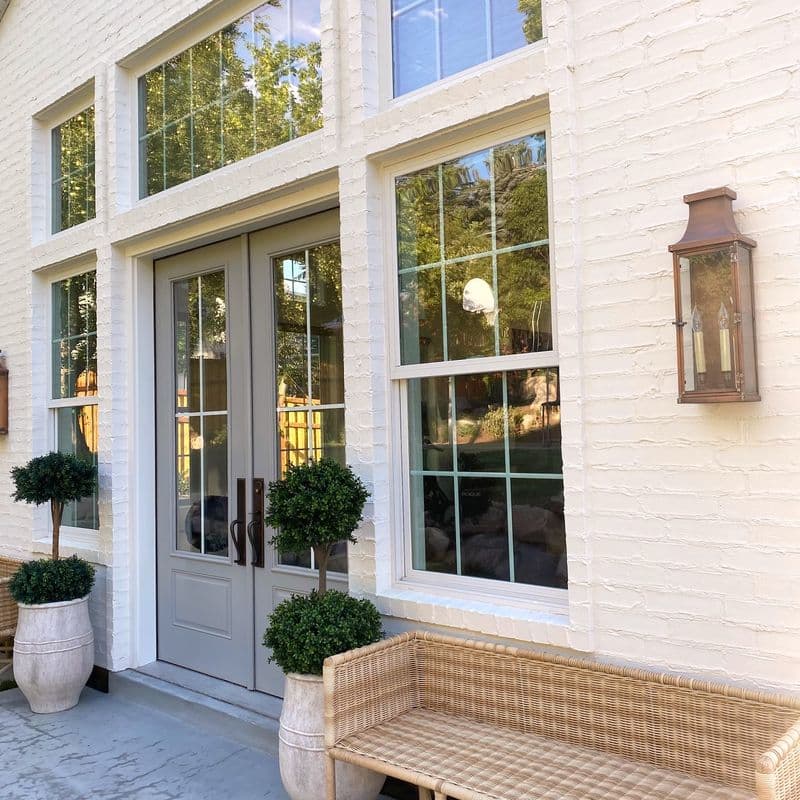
[255,530]
[237,534]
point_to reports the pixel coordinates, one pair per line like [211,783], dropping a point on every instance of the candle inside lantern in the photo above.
[724,338]
[697,338]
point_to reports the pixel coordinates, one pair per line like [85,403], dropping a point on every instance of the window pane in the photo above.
[251,86]
[540,551]
[214,353]
[414,46]
[74,345]
[480,423]
[215,484]
[467,205]
[73,187]
[534,411]
[291,293]
[327,364]
[471,309]
[433,524]
[520,170]
[429,423]
[152,153]
[484,528]
[418,239]
[76,434]
[421,327]
[464,35]
[523,283]
[189,484]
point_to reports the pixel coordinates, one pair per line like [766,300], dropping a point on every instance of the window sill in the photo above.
[532,622]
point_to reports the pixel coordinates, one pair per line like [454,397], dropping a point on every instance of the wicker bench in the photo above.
[476,721]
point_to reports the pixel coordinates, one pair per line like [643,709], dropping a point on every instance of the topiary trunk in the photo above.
[56,514]
[321,555]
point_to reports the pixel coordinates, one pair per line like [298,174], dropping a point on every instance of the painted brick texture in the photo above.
[683,521]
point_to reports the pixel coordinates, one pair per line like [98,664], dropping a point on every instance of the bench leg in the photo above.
[330,778]
[425,794]
[440,796]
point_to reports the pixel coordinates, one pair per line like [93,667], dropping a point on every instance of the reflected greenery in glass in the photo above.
[74,343]
[472,236]
[73,189]
[253,85]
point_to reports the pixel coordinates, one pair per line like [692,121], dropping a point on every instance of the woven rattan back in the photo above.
[707,730]
[8,606]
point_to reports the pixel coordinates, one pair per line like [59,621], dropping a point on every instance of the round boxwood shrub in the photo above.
[46,581]
[304,631]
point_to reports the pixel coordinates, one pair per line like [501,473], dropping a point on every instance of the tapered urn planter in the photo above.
[54,642]
[53,653]
[313,507]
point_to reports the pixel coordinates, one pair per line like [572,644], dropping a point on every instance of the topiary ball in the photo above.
[305,630]
[46,581]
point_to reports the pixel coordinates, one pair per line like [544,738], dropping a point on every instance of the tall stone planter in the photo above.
[301,750]
[53,653]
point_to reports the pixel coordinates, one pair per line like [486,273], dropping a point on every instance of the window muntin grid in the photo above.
[253,85]
[73,158]
[74,394]
[473,255]
[433,39]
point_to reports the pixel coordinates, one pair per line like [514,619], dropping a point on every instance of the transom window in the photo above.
[73,189]
[486,497]
[74,394]
[253,85]
[433,39]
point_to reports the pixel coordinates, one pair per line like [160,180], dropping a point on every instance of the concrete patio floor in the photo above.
[136,743]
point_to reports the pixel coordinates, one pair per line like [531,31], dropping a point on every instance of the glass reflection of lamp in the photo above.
[699,347]
[726,365]
[478,298]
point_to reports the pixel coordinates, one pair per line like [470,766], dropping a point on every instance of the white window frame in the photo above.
[547,599]
[71,536]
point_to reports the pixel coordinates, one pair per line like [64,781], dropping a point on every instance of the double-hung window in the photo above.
[433,39]
[73,395]
[478,368]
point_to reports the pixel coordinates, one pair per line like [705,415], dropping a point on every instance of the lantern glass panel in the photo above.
[748,357]
[707,303]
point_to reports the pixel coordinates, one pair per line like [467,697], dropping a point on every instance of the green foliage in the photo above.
[304,631]
[59,477]
[46,581]
[316,504]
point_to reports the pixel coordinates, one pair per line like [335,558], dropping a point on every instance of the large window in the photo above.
[436,38]
[249,87]
[484,436]
[74,382]
[73,188]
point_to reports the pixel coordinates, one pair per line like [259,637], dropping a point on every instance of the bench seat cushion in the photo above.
[503,764]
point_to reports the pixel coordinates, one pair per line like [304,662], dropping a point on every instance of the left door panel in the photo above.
[205,603]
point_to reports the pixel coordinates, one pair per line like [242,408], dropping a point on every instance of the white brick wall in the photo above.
[683,521]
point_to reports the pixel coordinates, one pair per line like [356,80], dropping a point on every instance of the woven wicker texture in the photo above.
[8,606]
[655,724]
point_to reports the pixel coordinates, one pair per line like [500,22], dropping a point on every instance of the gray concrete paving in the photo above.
[131,744]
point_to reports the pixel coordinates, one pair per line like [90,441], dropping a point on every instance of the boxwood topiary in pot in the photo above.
[315,506]
[54,643]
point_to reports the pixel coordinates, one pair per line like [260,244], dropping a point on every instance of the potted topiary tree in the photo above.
[315,506]
[54,643]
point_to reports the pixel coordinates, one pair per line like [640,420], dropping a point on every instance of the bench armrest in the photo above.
[778,770]
[368,686]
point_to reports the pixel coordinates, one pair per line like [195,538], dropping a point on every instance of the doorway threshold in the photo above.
[214,689]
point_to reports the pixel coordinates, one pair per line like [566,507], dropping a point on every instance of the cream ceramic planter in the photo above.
[53,653]
[301,750]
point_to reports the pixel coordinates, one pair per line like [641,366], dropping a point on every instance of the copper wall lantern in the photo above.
[714,309]
[3,396]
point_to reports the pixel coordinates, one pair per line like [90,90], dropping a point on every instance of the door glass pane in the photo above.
[309,355]
[201,421]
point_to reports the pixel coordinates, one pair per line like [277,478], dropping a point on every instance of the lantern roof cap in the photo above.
[711,221]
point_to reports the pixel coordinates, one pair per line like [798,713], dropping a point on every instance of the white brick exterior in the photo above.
[683,522]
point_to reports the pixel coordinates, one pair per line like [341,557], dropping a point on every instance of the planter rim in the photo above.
[57,604]
[304,676]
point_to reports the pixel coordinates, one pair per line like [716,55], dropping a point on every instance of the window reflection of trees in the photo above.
[249,87]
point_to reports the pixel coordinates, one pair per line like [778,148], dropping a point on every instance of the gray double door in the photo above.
[249,379]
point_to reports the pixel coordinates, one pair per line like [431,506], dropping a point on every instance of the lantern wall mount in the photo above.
[714,308]
[3,395]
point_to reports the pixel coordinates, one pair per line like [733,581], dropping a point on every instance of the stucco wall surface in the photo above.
[682,521]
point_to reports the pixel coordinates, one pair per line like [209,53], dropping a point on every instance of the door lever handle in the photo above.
[241,555]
